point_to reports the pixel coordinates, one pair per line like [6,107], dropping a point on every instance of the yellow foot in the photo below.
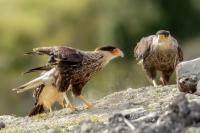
[163,81]
[71,107]
[89,106]
[154,83]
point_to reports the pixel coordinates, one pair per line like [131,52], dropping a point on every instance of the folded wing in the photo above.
[142,48]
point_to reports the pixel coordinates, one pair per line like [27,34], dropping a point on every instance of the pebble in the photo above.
[2,125]
[52,130]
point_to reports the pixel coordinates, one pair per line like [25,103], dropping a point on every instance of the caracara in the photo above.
[68,67]
[160,52]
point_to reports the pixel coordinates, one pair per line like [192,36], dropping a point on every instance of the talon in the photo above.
[71,107]
[89,106]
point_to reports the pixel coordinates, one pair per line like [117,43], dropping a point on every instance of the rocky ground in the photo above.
[142,110]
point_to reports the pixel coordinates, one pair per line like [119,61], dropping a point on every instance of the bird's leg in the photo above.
[163,81]
[50,110]
[61,102]
[151,73]
[154,83]
[68,103]
[48,105]
[88,104]
[165,76]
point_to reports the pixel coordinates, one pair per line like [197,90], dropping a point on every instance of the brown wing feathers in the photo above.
[61,53]
[67,58]
[180,54]
[143,47]
[38,108]
[42,68]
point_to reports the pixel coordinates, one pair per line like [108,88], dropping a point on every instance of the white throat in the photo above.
[157,42]
[107,58]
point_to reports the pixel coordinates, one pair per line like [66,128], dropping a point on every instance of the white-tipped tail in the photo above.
[30,85]
[46,78]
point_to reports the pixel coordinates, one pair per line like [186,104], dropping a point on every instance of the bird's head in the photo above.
[110,52]
[163,35]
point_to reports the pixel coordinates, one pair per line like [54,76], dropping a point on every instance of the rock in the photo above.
[188,76]
[117,118]
[88,126]
[192,130]
[133,110]
[52,130]
[181,114]
[120,124]
[2,125]
[150,118]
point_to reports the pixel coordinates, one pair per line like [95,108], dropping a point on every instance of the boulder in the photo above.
[188,76]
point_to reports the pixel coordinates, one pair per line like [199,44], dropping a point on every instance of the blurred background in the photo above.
[86,24]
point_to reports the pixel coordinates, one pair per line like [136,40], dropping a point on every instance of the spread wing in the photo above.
[59,53]
[65,59]
[143,47]
[179,50]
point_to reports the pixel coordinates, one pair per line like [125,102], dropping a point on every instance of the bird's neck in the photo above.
[162,44]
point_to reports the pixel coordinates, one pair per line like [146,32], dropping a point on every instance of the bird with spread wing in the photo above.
[67,68]
[160,52]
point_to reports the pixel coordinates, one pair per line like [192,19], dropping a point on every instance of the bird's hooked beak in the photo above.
[118,53]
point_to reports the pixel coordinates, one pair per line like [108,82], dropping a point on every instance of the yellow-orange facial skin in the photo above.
[117,52]
[110,55]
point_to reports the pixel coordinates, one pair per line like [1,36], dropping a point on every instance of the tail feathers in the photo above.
[42,68]
[38,109]
[30,85]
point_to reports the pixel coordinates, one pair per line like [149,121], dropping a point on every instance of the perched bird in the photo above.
[160,52]
[69,67]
